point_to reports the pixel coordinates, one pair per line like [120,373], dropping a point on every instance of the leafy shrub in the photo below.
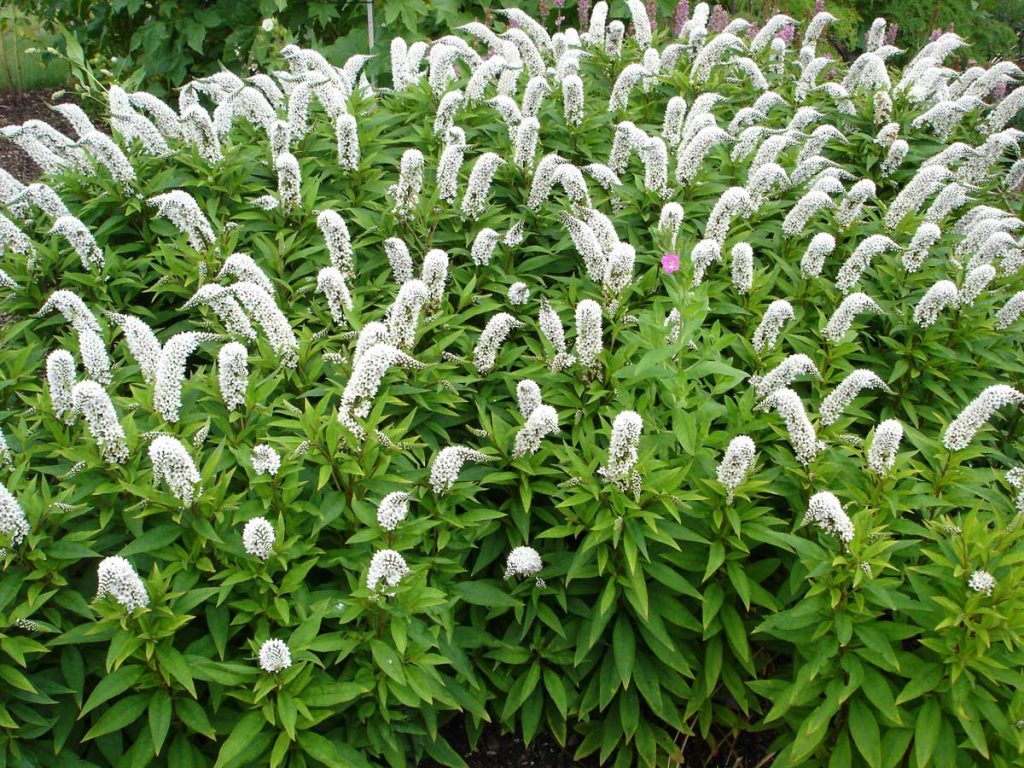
[330,420]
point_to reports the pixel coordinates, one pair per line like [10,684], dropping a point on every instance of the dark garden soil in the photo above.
[16,109]
[497,750]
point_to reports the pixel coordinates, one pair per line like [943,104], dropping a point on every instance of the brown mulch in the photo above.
[15,109]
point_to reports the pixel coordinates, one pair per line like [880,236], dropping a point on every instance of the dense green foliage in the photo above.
[666,606]
[164,43]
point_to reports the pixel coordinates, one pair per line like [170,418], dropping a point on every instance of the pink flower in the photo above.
[670,262]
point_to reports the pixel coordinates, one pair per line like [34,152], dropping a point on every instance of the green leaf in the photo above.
[556,690]
[119,716]
[242,735]
[865,732]
[174,663]
[926,732]
[624,647]
[153,540]
[387,660]
[114,684]
[484,593]
[159,719]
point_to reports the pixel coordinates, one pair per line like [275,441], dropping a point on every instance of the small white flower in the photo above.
[622,450]
[825,511]
[265,460]
[233,374]
[60,379]
[542,421]
[274,656]
[523,562]
[820,247]
[118,579]
[886,443]
[498,328]
[849,388]
[941,295]
[339,242]
[267,25]
[589,343]
[258,538]
[410,181]
[961,431]
[447,464]
[170,372]
[393,509]
[736,464]
[389,567]
[767,332]
[801,432]
[173,465]
[839,324]
[183,211]
[982,582]
[93,403]
[13,523]
[518,294]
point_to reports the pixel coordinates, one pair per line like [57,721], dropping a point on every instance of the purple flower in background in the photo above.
[559,20]
[787,33]
[891,32]
[719,19]
[652,14]
[584,10]
[819,7]
[559,4]
[935,35]
[670,262]
[752,31]
[543,9]
[681,16]
[999,91]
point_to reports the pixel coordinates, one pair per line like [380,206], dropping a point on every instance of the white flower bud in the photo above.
[622,450]
[173,465]
[736,464]
[767,332]
[447,464]
[474,202]
[841,320]
[962,429]
[258,538]
[801,432]
[170,372]
[523,562]
[589,343]
[389,567]
[839,399]
[542,421]
[742,267]
[184,213]
[937,298]
[233,374]
[884,446]
[274,656]
[393,509]
[406,192]
[825,511]
[117,578]
[265,460]
[92,401]
[486,350]
[339,243]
